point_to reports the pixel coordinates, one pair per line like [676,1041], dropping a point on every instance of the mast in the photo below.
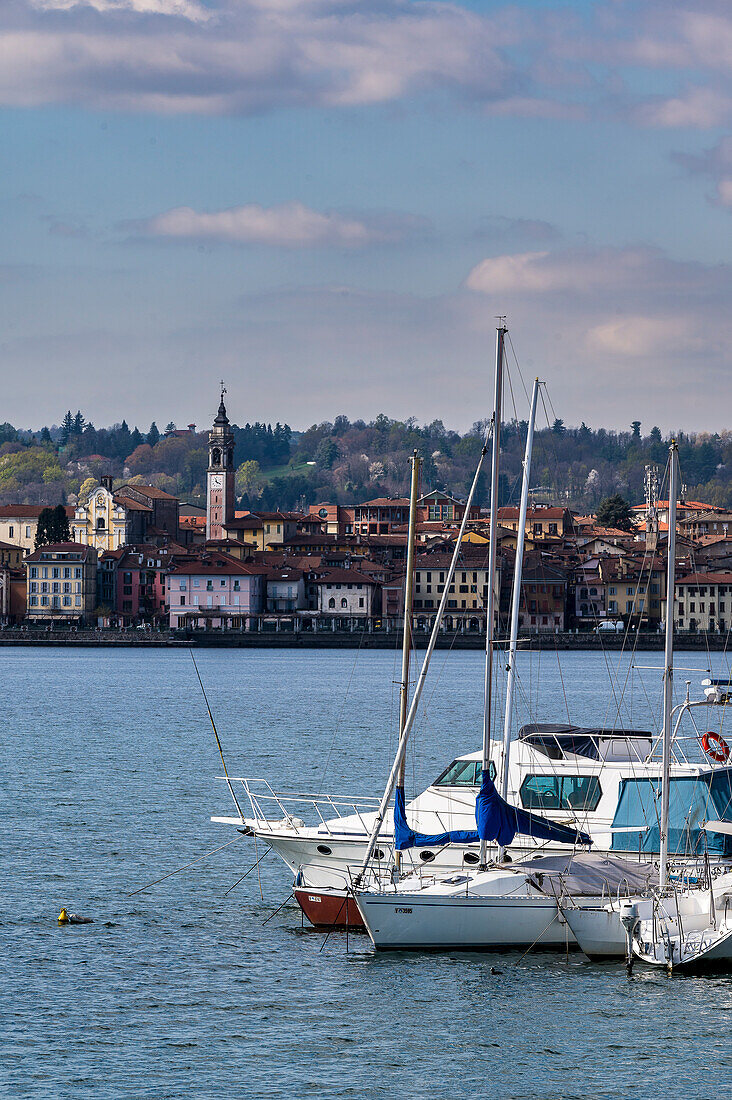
[407,640]
[516,596]
[404,736]
[668,660]
[492,555]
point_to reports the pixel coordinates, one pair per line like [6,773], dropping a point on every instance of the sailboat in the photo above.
[683,920]
[503,905]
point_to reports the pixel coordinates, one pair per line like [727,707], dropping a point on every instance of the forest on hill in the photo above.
[348,461]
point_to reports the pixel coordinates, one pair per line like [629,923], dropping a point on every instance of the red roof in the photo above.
[61,548]
[218,565]
[706,578]
[343,576]
[29,511]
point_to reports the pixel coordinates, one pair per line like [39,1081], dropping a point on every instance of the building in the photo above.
[380,516]
[215,590]
[335,519]
[221,475]
[61,582]
[439,506]
[635,588]
[467,595]
[19,523]
[704,602]
[266,530]
[589,593]
[131,582]
[543,521]
[132,514]
[12,595]
[286,590]
[543,598]
[346,593]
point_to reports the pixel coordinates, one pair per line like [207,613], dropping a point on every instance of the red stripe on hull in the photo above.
[329,908]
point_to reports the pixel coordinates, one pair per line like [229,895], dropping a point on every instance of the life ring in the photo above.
[721,752]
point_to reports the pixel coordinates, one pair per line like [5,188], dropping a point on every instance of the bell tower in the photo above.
[220,475]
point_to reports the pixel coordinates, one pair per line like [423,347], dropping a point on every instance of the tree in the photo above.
[558,427]
[153,435]
[326,454]
[170,427]
[67,428]
[53,526]
[615,512]
[636,427]
[249,480]
[79,423]
[45,435]
[86,488]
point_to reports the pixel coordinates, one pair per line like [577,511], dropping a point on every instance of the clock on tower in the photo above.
[220,475]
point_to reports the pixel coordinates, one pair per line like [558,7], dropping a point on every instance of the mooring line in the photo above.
[185,867]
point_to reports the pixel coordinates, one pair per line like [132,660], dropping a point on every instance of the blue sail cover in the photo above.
[496,820]
[404,837]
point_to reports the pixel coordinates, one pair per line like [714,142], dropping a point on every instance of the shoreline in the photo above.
[717,643]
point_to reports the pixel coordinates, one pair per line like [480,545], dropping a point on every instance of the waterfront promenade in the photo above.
[347,639]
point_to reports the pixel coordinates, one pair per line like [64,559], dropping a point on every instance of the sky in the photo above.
[327,203]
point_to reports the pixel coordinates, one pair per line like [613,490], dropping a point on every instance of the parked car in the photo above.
[610,626]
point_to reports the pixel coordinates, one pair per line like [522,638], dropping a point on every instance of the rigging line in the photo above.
[335,922]
[259,876]
[216,735]
[632,612]
[339,719]
[247,872]
[177,871]
[518,367]
[284,903]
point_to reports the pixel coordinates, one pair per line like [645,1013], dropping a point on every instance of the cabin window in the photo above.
[471,857]
[426,856]
[324,849]
[554,792]
[463,773]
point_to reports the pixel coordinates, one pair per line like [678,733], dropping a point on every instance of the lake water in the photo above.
[183,991]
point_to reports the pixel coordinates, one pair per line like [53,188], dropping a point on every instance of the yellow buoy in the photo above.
[63,917]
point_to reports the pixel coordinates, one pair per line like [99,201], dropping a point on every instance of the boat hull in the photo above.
[409,923]
[326,909]
[599,931]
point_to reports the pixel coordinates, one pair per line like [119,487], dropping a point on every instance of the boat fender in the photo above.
[715,747]
[65,917]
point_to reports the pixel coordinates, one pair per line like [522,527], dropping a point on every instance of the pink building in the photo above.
[215,590]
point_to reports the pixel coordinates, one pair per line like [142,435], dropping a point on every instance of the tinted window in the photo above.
[463,773]
[554,792]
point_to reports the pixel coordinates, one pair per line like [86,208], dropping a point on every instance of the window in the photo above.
[554,792]
[77,574]
[33,586]
[223,584]
[56,573]
[331,602]
[344,602]
[360,601]
[611,590]
[182,601]
[33,601]
[34,571]
[236,586]
[463,773]
[182,582]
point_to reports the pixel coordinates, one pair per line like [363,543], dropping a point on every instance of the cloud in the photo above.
[184,9]
[556,272]
[239,56]
[289,225]
[716,163]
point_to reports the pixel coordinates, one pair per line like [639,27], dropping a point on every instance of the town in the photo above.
[136,558]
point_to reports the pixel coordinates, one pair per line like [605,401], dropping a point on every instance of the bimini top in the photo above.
[596,743]
[588,875]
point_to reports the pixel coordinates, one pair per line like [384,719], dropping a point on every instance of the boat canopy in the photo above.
[693,800]
[588,875]
[595,743]
[495,818]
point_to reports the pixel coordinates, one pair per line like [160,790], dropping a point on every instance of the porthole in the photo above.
[426,857]
[378,853]
[324,849]
[471,857]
